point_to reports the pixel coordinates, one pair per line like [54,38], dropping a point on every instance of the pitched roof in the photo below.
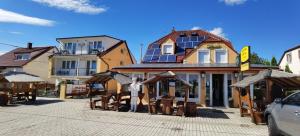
[291,49]
[9,59]
[88,37]
[108,75]
[174,35]
[19,77]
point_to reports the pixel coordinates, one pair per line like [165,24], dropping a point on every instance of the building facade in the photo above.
[291,57]
[81,57]
[32,60]
[206,61]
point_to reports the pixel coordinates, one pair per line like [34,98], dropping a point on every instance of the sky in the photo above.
[269,26]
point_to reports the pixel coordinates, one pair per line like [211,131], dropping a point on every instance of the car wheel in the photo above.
[272,128]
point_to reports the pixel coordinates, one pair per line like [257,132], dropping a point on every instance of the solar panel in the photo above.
[179,39]
[156,51]
[186,39]
[163,58]
[155,46]
[155,58]
[188,45]
[147,58]
[194,38]
[171,58]
[150,52]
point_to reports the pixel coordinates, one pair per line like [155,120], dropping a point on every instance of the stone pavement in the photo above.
[51,117]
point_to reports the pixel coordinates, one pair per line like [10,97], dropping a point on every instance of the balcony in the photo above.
[73,72]
[79,52]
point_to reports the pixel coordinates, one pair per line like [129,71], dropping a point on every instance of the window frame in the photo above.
[289,59]
[203,50]
[165,49]
[226,57]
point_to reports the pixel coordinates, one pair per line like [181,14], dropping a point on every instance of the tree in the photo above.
[287,69]
[255,59]
[274,62]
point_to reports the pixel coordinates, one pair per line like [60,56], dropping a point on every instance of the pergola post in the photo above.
[250,104]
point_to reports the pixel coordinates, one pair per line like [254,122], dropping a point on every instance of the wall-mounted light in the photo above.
[236,74]
[203,74]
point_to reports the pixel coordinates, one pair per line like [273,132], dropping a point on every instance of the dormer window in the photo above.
[182,35]
[168,49]
[289,58]
[25,56]
[194,34]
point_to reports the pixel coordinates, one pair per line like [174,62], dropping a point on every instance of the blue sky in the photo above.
[269,26]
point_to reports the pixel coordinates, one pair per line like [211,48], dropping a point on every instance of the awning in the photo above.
[281,78]
[106,76]
[19,77]
[165,75]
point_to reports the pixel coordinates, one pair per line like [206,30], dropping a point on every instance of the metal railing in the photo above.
[73,72]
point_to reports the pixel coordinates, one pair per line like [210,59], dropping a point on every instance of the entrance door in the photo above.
[218,96]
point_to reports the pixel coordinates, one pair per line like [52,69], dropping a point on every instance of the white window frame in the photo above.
[221,50]
[203,50]
[168,45]
[23,56]
[287,58]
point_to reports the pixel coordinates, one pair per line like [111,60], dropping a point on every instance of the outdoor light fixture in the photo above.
[236,74]
[203,75]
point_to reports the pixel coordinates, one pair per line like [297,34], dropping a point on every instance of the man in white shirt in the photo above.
[134,88]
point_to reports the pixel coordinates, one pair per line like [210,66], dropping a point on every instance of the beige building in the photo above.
[32,60]
[81,57]
[203,59]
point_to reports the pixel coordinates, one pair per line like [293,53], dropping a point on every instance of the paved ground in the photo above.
[73,118]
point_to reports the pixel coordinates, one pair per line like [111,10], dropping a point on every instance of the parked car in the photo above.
[283,116]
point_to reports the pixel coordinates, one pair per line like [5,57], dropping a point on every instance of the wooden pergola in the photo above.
[20,85]
[103,78]
[161,77]
[271,78]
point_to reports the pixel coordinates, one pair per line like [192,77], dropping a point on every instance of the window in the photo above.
[193,80]
[289,58]
[94,64]
[69,64]
[121,63]
[70,47]
[22,56]
[221,56]
[293,100]
[73,64]
[204,56]
[168,49]
[299,54]
[179,87]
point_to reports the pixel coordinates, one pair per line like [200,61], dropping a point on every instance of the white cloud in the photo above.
[196,28]
[12,17]
[15,32]
[233,2]
[2,52]
[218,31]
[79,6]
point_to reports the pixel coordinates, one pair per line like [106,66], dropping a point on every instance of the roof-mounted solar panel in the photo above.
[163,58]
[150,52]
[155,46]
[171,58]
[156,52]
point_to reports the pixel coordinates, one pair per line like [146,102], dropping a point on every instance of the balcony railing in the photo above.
[82,52]
[73,72]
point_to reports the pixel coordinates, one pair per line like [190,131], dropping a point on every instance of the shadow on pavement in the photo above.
[212,113]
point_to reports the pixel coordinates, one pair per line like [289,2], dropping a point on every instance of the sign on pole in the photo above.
[245,58]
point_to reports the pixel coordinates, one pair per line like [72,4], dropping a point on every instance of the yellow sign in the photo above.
[245,66]
[245,54]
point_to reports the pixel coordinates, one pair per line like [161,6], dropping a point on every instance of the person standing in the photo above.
[134,89]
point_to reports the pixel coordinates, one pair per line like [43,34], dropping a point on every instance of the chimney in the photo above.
[29,45]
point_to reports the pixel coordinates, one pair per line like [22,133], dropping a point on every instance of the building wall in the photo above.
[113,59]
[193,58]
[107,42]
[295,64]
[40,66]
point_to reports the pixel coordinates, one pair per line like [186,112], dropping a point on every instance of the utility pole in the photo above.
[141,53]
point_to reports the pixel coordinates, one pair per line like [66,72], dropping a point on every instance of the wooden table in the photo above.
[167,107]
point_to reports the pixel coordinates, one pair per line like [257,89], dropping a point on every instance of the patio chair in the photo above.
[180,108]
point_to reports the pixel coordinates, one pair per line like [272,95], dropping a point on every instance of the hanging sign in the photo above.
[245,58]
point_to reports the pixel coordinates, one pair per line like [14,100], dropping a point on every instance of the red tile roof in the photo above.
[9,59]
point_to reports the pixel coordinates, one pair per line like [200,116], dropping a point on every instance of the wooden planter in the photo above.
[259,117]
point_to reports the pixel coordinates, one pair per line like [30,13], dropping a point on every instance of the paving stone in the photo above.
[50,117]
